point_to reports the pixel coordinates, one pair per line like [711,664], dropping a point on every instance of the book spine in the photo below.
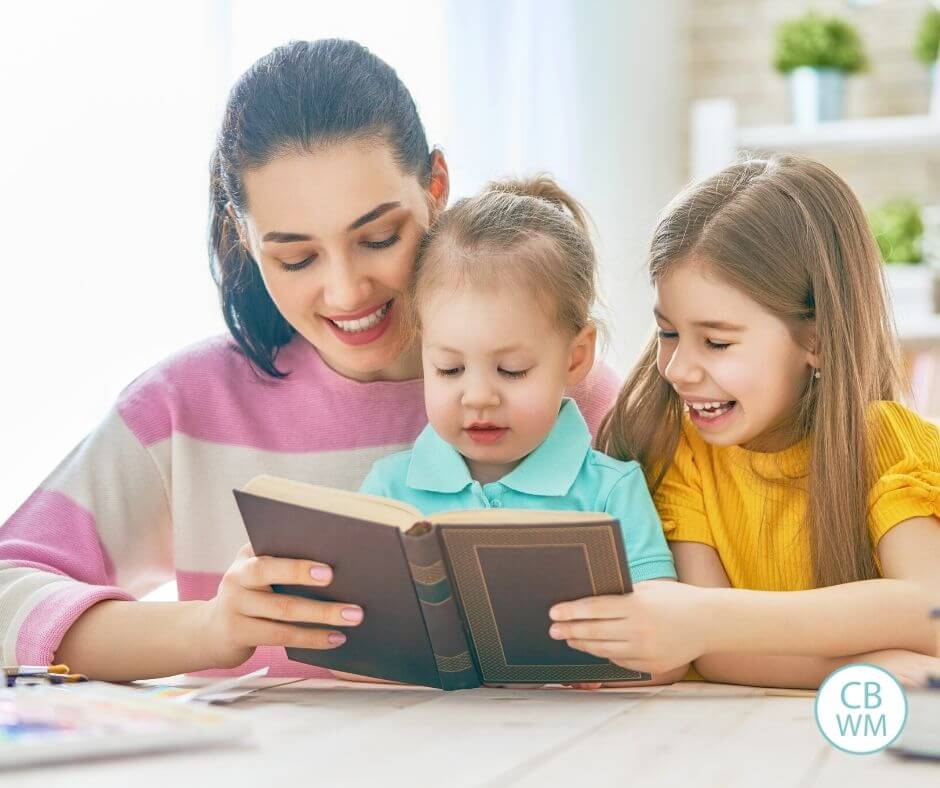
[445,629]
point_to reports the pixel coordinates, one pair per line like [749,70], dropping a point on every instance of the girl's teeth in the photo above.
[363,323]
[710,410]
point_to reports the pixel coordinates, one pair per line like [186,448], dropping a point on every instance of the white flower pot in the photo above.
[817,95]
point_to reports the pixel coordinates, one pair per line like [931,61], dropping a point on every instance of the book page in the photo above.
[516,516]
[330,499]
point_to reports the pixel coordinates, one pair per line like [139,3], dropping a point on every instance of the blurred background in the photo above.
[109,112]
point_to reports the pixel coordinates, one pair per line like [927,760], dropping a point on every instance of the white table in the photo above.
[329,733]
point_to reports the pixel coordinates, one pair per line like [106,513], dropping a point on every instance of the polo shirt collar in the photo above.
[551,469]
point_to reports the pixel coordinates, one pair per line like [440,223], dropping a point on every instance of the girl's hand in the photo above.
[908,667]
[246,613]
[653,630]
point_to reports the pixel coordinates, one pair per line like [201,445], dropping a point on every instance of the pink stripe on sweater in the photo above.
[53,531]
[47,623]
[208,392]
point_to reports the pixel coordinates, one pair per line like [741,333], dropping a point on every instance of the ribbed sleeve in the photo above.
[907,456]
[680,501]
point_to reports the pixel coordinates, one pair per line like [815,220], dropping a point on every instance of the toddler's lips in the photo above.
[486,435]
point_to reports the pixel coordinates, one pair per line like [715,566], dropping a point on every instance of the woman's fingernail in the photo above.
[351,614]
[555,632]
[553,613]
[320,573]
[336,638]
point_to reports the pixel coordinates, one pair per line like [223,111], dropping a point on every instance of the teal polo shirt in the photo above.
[563,472]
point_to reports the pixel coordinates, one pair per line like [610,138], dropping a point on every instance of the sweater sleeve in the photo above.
[97,528]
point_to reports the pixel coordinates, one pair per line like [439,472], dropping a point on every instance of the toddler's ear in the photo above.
[581,355]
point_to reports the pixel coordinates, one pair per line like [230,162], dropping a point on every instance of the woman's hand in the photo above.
[655,629]
[246,613]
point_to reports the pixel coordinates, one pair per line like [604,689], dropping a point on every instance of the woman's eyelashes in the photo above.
[383,243]
[668,336]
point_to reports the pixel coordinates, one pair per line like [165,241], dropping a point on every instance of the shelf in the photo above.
[905,132]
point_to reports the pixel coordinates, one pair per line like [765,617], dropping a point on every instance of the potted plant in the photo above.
[817,53]
[899,229]
[926,48]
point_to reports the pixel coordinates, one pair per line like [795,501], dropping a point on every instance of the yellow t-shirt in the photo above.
[721,496]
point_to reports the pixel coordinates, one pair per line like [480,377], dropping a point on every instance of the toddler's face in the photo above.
[735,365]
[495,371]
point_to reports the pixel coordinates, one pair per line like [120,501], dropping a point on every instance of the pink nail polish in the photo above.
[336,638]
[321,573]
[351,614]
[555,632]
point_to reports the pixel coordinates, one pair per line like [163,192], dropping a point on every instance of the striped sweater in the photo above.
[147,496]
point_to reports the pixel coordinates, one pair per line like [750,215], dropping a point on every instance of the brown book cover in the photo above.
[454,601]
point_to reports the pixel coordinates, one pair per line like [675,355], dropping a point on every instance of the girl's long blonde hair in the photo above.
[790,234]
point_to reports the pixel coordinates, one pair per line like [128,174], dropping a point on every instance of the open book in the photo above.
[454,601]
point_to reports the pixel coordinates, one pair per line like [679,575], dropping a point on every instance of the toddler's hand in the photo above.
[246,613]
[653,630]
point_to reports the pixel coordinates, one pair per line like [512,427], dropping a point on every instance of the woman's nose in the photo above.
[345,289]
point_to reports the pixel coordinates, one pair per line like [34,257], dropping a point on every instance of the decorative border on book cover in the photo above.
[603,569]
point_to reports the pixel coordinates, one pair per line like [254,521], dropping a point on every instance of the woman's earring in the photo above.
[816,375]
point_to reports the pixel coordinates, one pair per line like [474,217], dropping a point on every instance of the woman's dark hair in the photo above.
[299,96]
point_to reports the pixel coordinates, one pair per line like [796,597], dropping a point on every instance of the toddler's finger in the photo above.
[591,607]
[602,629]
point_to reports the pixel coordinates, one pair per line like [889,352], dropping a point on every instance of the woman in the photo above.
[322,185]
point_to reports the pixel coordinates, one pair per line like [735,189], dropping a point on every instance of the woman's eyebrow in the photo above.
[287,238]
[374,214]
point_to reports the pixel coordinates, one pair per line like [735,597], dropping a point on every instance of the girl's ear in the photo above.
[581,355]
[439,183]
[809,342]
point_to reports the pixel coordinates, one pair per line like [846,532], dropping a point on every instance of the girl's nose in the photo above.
[682,370]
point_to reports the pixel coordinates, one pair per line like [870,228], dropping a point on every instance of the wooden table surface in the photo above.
[317,733]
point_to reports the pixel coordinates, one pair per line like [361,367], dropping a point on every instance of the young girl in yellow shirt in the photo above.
[764,415]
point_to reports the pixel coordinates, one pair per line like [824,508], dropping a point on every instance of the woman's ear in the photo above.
[581,355]
[438,184]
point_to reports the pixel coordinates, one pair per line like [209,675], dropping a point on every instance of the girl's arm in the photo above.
[853,618]
[699,564]
[665,624]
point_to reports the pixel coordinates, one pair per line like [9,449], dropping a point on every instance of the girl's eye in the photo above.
[663,334]
[514,374]
[393,239]
[717,345]
[448,372]
[298,266]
